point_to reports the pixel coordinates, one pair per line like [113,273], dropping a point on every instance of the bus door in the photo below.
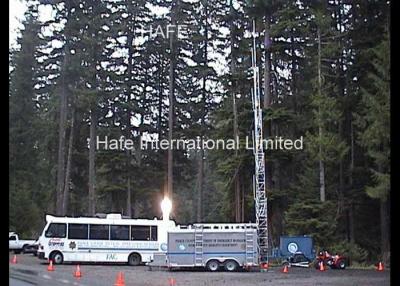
[55,237]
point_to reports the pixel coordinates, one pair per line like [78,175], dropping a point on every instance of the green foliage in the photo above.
[25,216]
[311,217]
[381,185]
[355,253]
[24,153]
[345,121]
[374,119]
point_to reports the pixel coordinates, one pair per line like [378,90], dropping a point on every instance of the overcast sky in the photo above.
[18,8]
[16,13]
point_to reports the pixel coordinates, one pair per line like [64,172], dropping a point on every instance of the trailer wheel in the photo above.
[212,265]
[231,265]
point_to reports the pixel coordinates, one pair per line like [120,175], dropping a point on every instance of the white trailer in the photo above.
[213,246]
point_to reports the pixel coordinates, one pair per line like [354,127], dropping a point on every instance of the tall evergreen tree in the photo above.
[24,152]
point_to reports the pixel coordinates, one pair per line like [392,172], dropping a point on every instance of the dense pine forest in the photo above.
[108,68]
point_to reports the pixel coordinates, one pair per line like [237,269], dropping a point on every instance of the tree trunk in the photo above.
[237,198]
[341,197]
[268,127]
[351,223]
[242,204]
[203,115]
[351,205]
[385,230]
[343,123]
[61,139]
[69,164]
[200,185]
[160,98]
[128,199]
[92,166]
[237,176]
[52,157]
[131,51]
[236,182]
[169,191]
[128,184]
[321,162]
[113,202]
[267,67]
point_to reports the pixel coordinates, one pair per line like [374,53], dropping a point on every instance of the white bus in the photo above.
[108,239]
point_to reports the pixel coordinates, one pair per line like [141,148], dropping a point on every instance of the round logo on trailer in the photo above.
[164,247]
[181,247]
[292,247]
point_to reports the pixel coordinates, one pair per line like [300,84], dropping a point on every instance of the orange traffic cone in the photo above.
[171,281]
[321,266]
[265,266]
[380,267]
[285,269]
[51,266]
[14,260]
[77,273]
[120,281]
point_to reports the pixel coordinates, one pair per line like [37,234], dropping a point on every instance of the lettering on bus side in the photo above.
[111,256]
[56,243]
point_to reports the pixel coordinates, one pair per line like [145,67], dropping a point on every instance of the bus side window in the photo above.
[154,236]
[99,231]
[140,232]
[77,231]
[119,232]
[56,230]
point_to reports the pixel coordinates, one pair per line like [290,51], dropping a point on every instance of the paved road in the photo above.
[29,268]
[17,282]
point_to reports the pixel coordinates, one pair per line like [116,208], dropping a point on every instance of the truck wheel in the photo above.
[231,265]
[57,257]
[316,264]
[25,249]
[134,259]
[212,265]
[341,264]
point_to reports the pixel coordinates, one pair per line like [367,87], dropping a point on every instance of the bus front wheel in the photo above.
[57,257]
[134,259]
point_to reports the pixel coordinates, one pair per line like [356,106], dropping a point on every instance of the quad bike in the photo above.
[333,261]
[298,259]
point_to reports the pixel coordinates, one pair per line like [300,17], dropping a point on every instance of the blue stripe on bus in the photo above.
[215,253]
[109,248]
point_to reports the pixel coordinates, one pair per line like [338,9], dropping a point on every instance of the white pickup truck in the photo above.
[18,245]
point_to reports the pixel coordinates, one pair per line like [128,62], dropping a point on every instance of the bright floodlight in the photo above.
[166,206]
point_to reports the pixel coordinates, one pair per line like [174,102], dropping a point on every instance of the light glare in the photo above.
[166,207]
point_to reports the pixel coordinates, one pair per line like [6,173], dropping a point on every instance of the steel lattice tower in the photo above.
[260,198]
